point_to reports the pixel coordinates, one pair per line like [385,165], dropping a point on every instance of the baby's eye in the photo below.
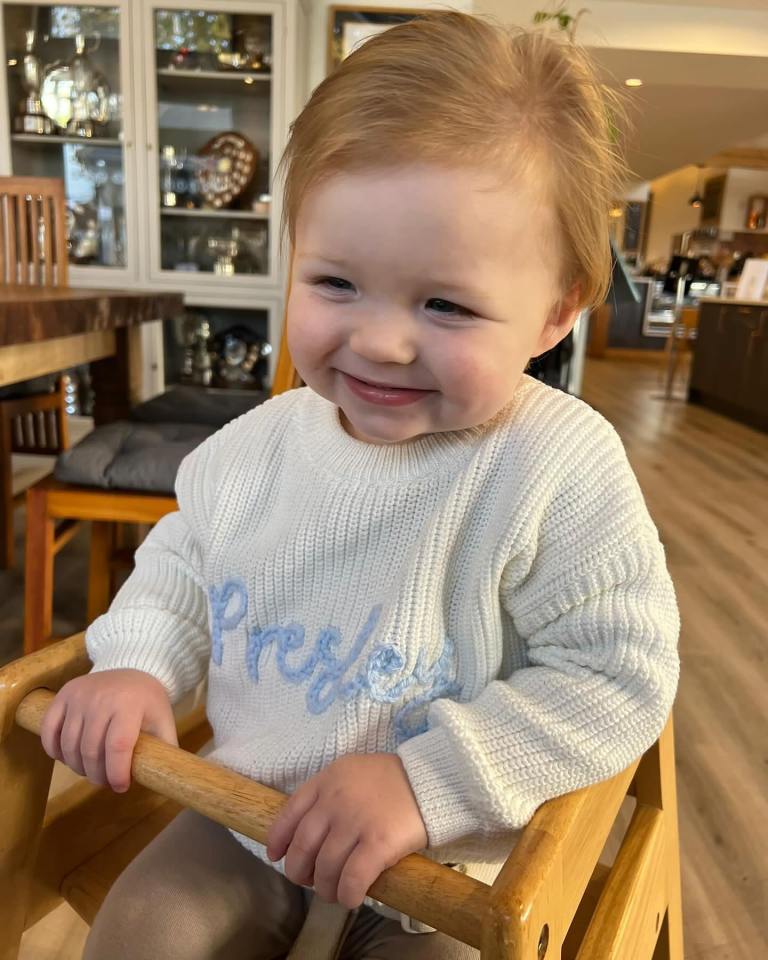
[331,282]
[452,307]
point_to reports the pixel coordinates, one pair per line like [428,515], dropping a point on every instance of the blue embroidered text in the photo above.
[330,676]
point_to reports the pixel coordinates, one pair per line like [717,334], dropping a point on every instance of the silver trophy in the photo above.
[90,94]
[32,117]
[75,95]
[227,250]
[202,368]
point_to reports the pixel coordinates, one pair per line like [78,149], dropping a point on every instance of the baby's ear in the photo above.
[560,321]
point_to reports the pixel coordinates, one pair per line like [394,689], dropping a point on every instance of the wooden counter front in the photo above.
[729,372]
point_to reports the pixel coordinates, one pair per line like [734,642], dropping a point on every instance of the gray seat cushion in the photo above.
[131,456]
[28,388]
[193,405]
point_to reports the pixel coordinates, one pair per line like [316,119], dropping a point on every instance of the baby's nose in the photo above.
[383,340]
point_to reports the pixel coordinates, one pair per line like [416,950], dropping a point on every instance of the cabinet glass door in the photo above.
[64,93]
[212,90]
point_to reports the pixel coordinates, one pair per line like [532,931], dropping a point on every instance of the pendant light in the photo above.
[696,199]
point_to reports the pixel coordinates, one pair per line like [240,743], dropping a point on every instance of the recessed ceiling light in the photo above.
[633,82]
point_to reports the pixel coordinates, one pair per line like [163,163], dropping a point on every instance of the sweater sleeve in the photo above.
[590,597]
[158,620]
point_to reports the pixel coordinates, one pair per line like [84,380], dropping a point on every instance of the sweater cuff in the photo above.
[140,640]
[435,774]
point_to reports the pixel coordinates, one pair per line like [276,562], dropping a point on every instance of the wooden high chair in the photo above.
[33,252]
[32,424]
[681,340]
[554,898]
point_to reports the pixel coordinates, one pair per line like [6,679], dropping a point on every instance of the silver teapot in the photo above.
[75,95]
[32,117]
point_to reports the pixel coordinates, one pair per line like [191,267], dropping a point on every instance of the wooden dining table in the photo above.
[46,330]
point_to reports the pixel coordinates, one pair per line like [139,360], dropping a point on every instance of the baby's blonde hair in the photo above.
[462,90]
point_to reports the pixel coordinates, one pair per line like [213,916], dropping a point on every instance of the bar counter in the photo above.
[729,373]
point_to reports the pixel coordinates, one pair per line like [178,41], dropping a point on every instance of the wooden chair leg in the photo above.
[38,583]
[6,496]
[24,763]
[99,573]
[656,785]
[322,934]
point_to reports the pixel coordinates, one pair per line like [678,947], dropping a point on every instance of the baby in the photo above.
[424,587]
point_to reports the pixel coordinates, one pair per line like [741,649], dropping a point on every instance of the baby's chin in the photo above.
[380,435]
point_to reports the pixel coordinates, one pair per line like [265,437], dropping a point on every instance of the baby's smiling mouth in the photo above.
[385,386]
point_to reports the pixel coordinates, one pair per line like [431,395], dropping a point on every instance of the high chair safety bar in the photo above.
[552,898]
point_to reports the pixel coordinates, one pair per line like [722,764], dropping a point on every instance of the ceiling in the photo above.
[691,106]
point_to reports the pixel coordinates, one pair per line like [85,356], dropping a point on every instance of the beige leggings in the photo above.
[195,893]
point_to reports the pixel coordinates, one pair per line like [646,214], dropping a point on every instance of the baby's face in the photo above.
[432,280]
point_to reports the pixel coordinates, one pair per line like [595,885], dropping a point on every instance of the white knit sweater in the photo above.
[491,603]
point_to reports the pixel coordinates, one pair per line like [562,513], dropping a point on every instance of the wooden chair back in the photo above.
[36,424]
[554,899]
[286,376]
[33,233]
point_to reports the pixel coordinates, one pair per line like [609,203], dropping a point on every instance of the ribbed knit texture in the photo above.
[491,603]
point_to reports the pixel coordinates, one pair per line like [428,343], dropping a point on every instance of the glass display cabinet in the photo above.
[210,101]
[219,348]
[65,87]
[166,122]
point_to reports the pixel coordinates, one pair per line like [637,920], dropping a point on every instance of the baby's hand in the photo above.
[347,824]
[94,721]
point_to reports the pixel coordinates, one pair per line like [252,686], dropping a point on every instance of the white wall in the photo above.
[318,27]
[671,213]
[638,191]
[739,187]
[644,26]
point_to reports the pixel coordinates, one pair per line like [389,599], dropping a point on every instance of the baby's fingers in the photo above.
[282,830]
[92,750]
[363,867]
[303,848]
[50,730]
[71,734]
[122,734]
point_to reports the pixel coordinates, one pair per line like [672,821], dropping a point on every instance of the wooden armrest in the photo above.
[416,886]
[532,902]
[51,667]
[550,867]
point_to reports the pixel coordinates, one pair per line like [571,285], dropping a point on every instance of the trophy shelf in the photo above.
[245,76]
[53,140]
[220,214]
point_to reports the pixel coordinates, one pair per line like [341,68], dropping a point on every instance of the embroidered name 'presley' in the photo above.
[329,675]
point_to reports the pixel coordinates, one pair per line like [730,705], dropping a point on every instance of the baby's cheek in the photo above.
[309,335]
[477,381]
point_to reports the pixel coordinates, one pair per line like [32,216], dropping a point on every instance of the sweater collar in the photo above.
[328,446]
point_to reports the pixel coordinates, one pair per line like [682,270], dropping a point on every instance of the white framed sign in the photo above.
[753,282]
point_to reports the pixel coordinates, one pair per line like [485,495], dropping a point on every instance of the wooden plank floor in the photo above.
[705,479]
